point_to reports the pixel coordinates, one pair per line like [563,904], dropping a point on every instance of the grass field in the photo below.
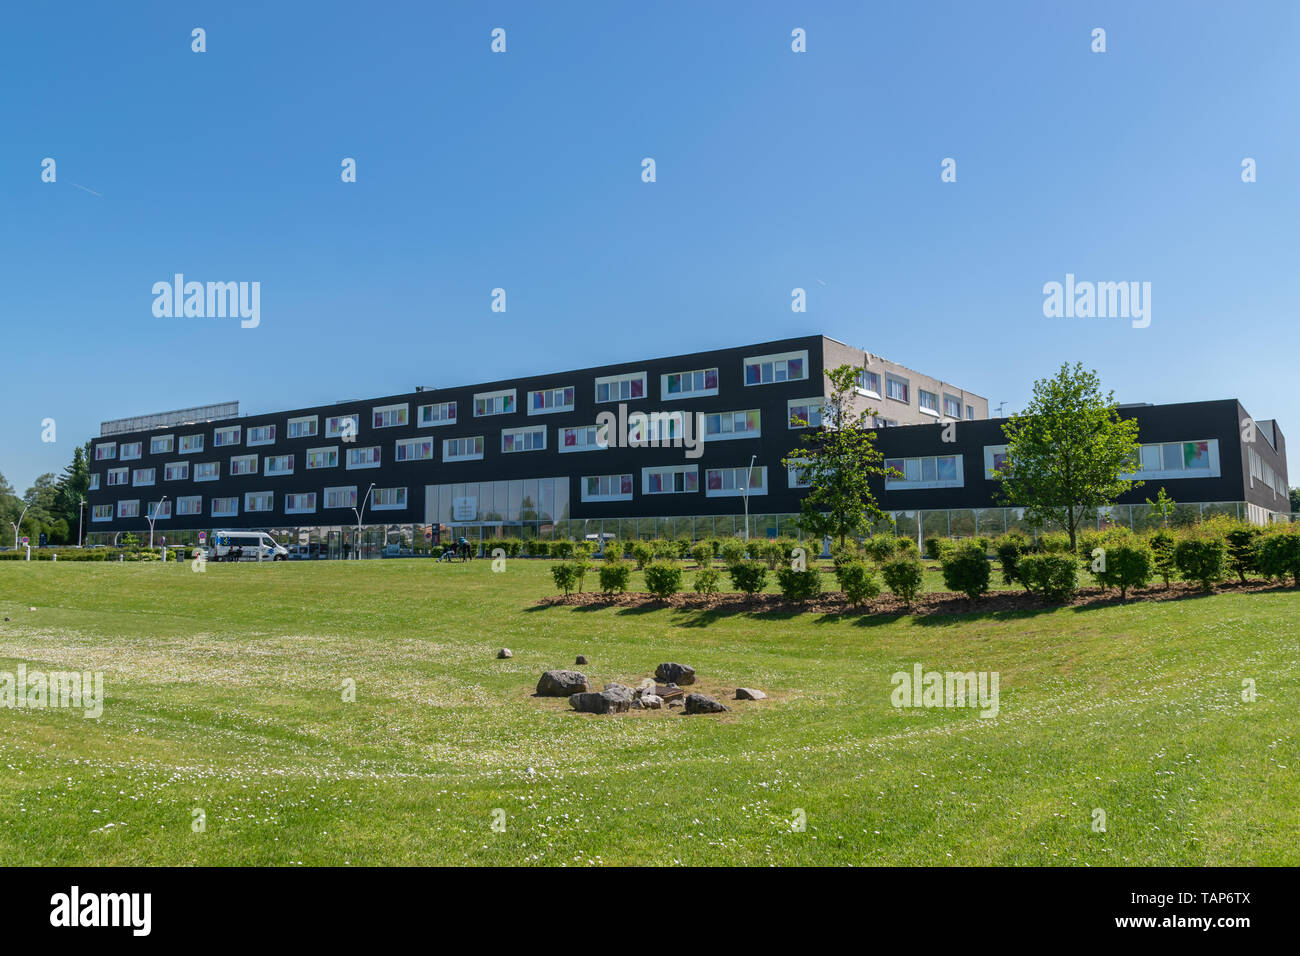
[225,695]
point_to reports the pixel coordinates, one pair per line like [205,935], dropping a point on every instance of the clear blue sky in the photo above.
[522,170]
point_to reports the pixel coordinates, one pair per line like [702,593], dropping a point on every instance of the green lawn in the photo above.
[224,693]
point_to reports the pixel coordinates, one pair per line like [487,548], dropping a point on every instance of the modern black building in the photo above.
[695,443]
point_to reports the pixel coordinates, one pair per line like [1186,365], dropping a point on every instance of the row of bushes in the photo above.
[86,554]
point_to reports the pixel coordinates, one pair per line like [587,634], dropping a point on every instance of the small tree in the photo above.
[966,569]
[838,463]
[1161,508]
[1066,452]
[904,576]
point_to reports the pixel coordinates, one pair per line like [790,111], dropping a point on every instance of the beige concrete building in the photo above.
[900,395]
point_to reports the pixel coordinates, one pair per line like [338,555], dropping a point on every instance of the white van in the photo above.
[244,546]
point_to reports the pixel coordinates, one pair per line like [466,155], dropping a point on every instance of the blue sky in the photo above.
[522,170]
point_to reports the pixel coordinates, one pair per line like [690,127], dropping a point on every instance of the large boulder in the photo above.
[675,673]
[702,704]
[611,700]
[562,684]
[749,693]
[649,702]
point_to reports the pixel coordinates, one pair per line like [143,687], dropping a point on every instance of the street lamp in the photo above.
[154,517]
[80,510]
[749,475]
[18,523]
[359,514]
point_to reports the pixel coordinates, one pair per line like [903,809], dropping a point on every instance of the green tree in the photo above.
[838,463]
[1066,451]
[1295,499]
[1161,508]
[73,485]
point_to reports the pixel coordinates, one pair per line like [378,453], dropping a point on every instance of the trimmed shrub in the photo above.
[903,576]
[857,582]
[905,546]
[539,547]
[799,586]
[1201,559]
[663,579]
[1277,555]
[703,554]
[1243,554]
[881,548]
[613,550]
[1052,577]
[1057,542]
[1128,565]
[566,577]
[614,576]
[733,551]
[748,576]
[665,549]
[845,555]
[642,553]
[1162,545]
[936,548]
[984,543]
[584,549]
[967,570]
[562,548]
[706,581]
[1010,550]
[772,553]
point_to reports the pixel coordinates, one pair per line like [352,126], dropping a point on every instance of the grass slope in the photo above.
[225,695]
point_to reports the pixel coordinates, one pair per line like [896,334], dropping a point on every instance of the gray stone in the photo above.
[748,693]
[650,702]
[674,703]
[675,673]
[562,684]
[504,653]
[702,704]
[580,660]
[609,701]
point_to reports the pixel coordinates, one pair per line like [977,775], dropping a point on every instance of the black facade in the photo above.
[1240,459]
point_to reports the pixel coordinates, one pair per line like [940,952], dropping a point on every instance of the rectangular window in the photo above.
[101,513]
[255,501]
[341,497]
[388,499]
[128,509]
[869,383]
[943,471]
[279,465]
[130,450]
[582,438]
[261,435]
[189,505]
[364,457]
[606,487]
[796,476]
[176,471]
[159,510]
[620,388]
[697,383]
[804,412]
[995,457]
[143,477]
[769,369]
[1180,459]
[550,400]
[462,449]
[390,416]
[225,507]
[928,401]
[221,437]
[119,476]
[443,413]
[721,426]
[191,444]
[413,449]
[300,504]
[342,426]
[161,444]
[896,388]
[94,481]
[304,427]
[106,451]
[524,439]
[323,457]
[970,413]
[732,482]
[243,465]
[494,403]
[207,471]
[952,406]
[680,479]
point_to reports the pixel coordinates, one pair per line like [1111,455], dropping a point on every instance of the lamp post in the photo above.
[18,524]
[749,474]
[80,510]
[154,517]
[359,514]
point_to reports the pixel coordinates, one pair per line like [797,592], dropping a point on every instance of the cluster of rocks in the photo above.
[616,698]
